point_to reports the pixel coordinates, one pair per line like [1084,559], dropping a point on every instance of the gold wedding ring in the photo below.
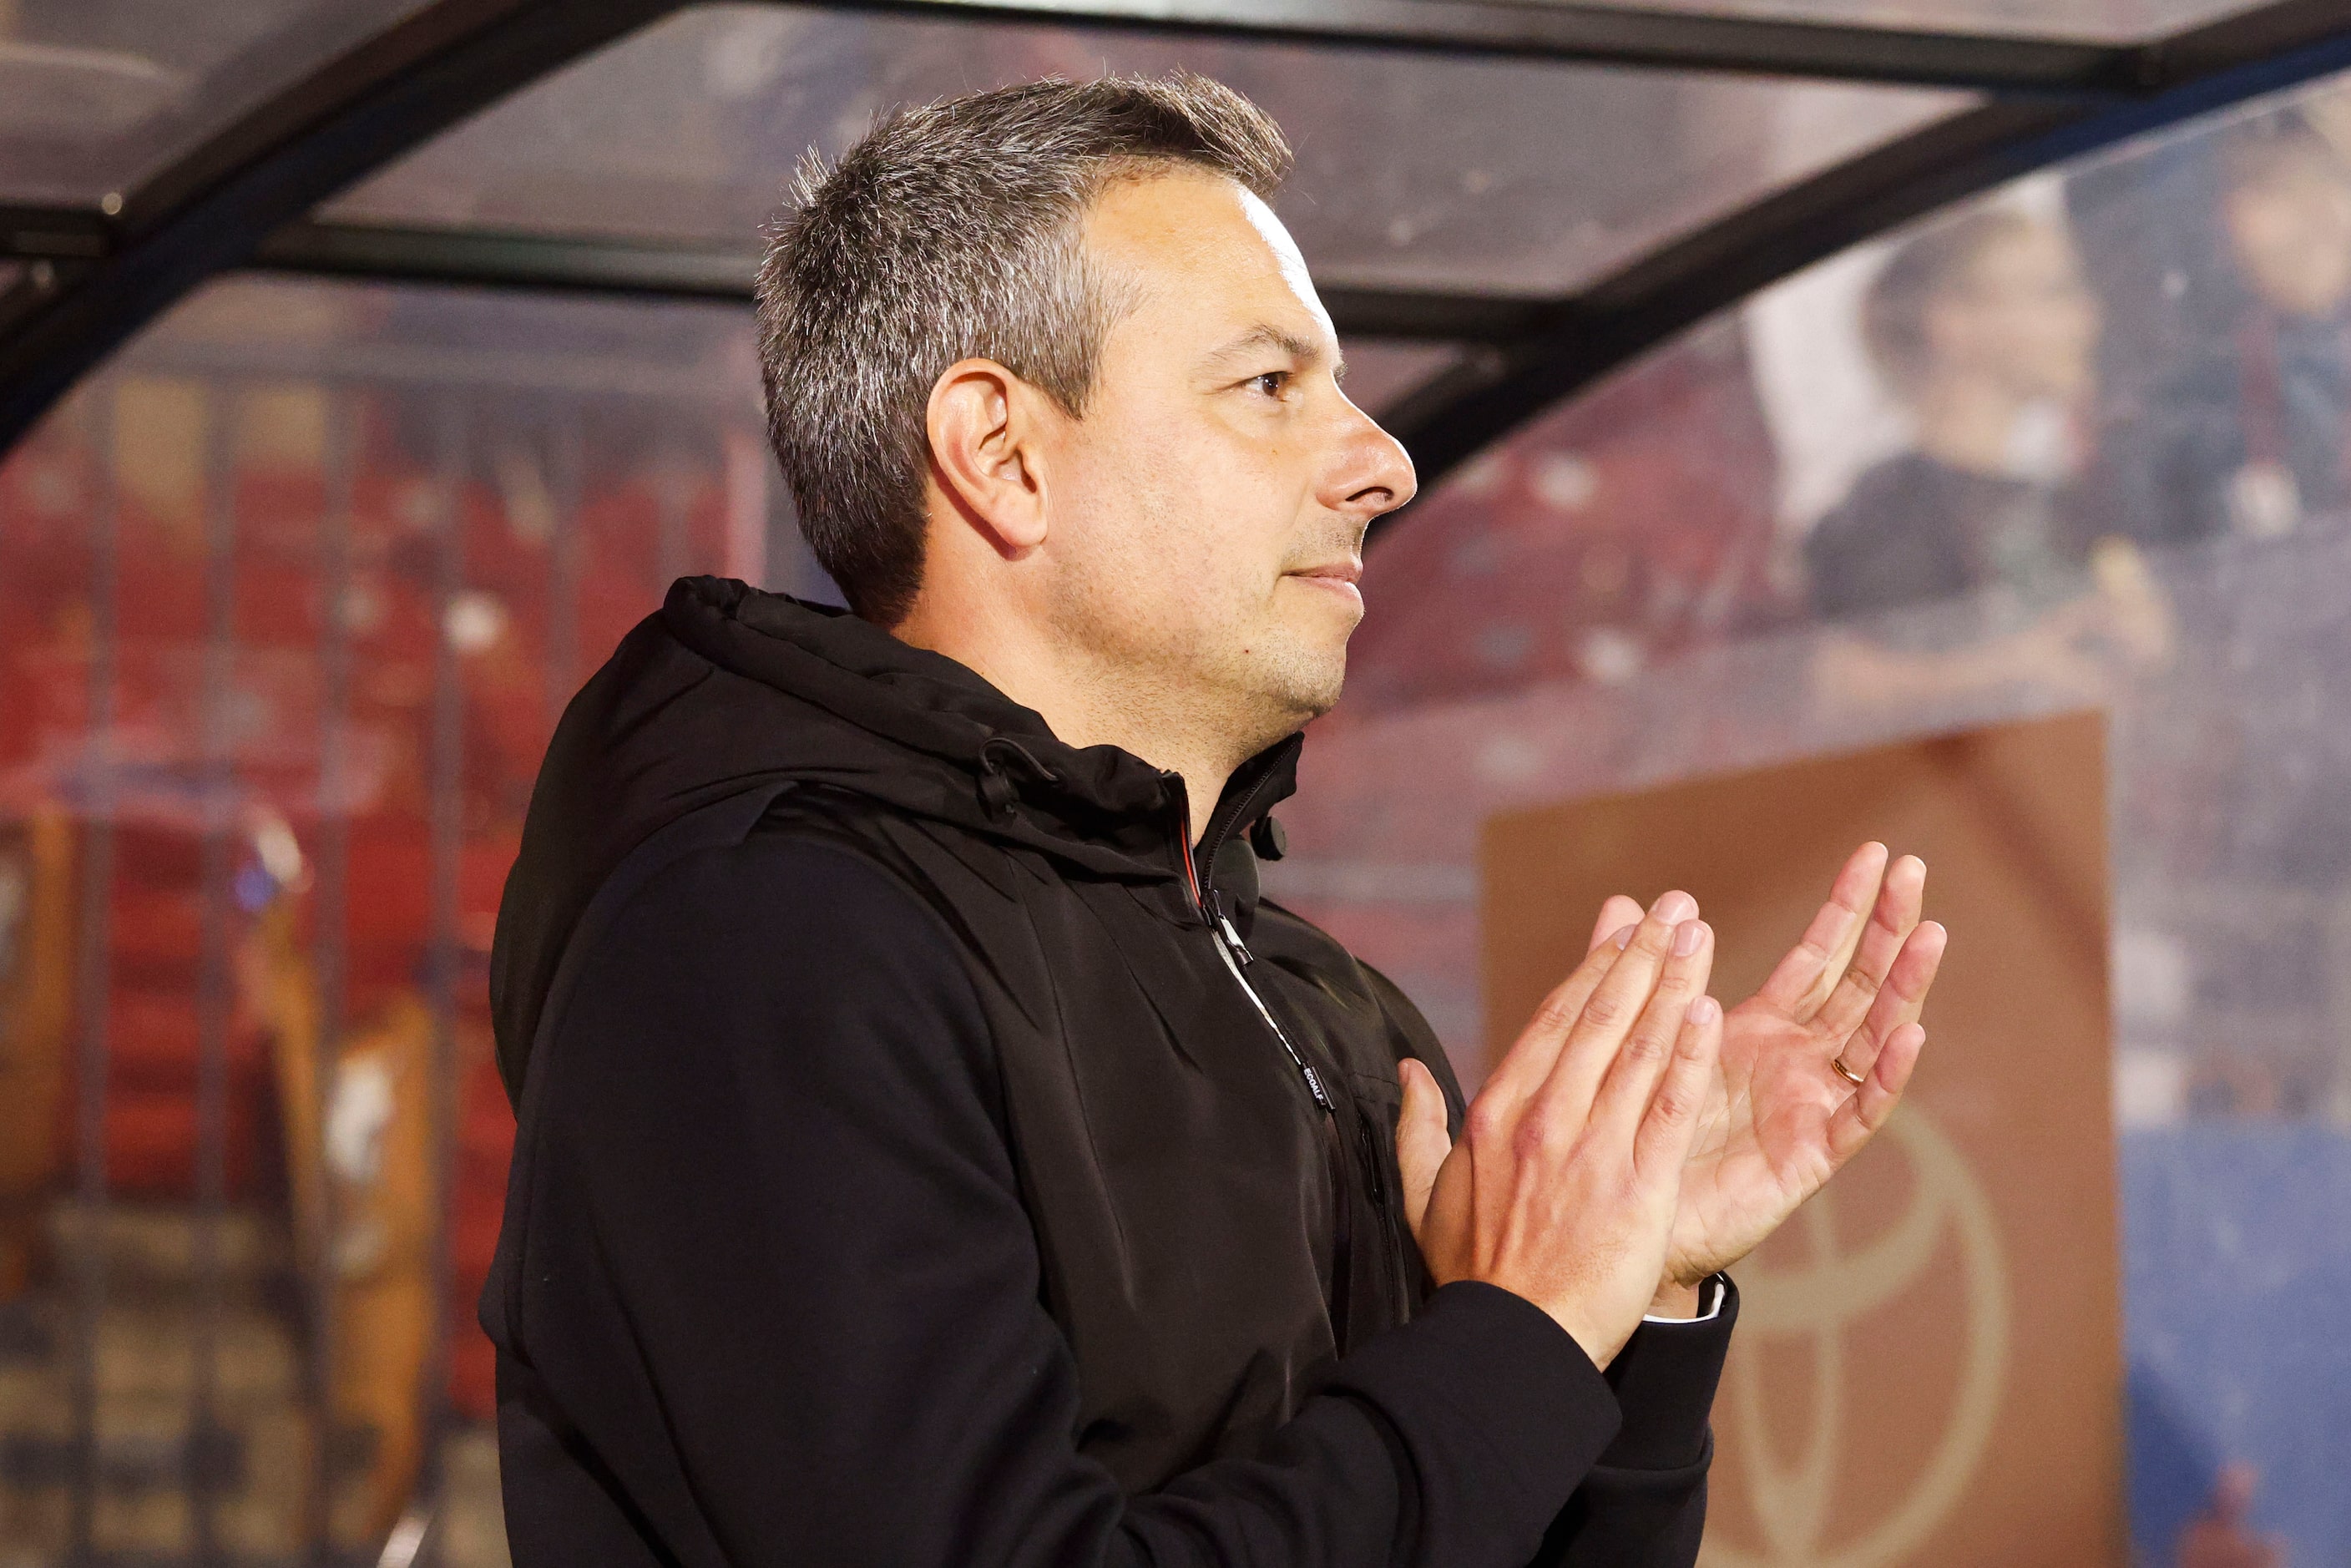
[1848,1073]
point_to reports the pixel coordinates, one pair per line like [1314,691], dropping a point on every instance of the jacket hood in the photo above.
[727,689]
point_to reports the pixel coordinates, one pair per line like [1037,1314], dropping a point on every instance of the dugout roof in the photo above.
[1484,189]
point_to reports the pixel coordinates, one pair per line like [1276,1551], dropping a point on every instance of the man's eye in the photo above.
[1272,384]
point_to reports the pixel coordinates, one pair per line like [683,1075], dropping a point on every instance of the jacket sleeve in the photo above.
[1643,1505]
[776,1298]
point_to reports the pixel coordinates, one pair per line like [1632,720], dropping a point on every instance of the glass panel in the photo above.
[97,94]
[2113,20]
[2079,446]
[1412,170]
[1380,371]
[291,597]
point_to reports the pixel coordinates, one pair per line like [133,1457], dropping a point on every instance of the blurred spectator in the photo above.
[2220,1537]
[1985,331]
[2247,434]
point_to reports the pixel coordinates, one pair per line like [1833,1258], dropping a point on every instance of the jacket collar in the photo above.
[1022,782]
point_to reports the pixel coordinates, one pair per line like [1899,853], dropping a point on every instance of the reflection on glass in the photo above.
[2079,444]
[1381,371]
[2103,19]
[1984,332]
[290,597]
[94,95]
[2245,429]
[1601,542]
[1426,171]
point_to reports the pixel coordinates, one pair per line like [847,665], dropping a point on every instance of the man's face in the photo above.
[1208,512]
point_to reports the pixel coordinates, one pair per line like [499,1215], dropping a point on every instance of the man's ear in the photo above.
[986,459]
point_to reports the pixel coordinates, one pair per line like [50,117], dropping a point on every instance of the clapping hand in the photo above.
[1564,1186]
[1781,1118]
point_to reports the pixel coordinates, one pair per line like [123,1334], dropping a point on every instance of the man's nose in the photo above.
[1374,473]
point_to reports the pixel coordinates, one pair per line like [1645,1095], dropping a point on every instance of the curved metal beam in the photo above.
[482,259]
[1591,34]
[1579,339]
[207,211]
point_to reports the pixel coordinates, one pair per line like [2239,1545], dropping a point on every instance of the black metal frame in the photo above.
[537,263]
[542,264]
[243,198]
[1612,35]
[206,211]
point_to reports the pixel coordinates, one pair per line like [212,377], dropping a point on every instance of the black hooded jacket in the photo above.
[927,1157]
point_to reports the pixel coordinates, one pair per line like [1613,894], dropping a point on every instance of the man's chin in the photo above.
[1283,679]
[1309,688]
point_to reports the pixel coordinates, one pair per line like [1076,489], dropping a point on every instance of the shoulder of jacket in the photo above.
[953,869]
[1298,944]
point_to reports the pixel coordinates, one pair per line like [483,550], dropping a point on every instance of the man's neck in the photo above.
[1085,705]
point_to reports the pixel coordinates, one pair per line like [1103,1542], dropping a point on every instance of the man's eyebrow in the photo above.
[1268,336]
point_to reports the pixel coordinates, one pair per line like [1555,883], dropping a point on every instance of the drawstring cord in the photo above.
[997,793]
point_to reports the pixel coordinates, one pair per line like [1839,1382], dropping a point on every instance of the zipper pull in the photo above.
[1233,939]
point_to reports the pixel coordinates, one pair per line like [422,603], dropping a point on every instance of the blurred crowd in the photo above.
[263,766]
[2154,354]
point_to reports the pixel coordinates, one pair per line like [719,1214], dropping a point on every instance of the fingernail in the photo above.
[1623,936]
[1687,938]
[1675,906]
[1704,1011]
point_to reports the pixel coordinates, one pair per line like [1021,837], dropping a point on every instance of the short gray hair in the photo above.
[952,231]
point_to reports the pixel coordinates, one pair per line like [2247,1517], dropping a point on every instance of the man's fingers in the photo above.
[1609,1015]
[1804,979]
[1852,1123]
[1529,1060]
[1891,921]
[1901,999]
[1422,1142]
[1663,1142]
[1616,913]
[1536,1052]
[1887,1050]
[1633,1076]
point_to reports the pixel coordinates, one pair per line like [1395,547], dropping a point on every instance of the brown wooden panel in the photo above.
[1928,1371]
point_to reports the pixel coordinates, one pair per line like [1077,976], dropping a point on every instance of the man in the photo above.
[933,1149]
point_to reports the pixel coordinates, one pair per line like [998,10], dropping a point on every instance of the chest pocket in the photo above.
[1342,1020]
[1394,1281]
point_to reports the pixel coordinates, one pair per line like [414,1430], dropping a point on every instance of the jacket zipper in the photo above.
[1230,948]
[1236,956]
